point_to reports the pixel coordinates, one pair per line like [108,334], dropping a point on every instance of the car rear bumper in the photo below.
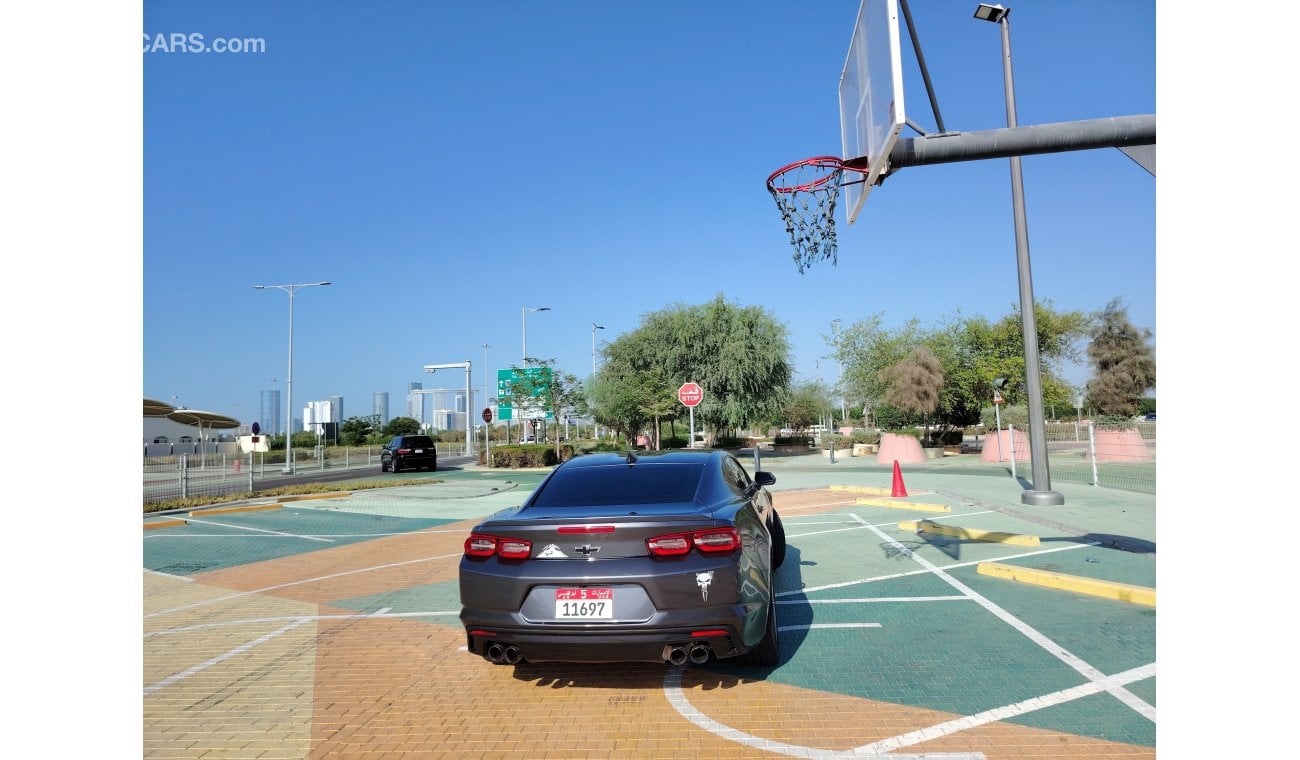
[661,645]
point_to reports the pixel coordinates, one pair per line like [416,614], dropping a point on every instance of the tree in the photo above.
[913,384]
[401,426]
[355,430]
[738,354]
[804,405]
[549,392]
[971,352]
[1124,366]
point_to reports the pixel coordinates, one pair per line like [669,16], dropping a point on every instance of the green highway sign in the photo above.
[538,376]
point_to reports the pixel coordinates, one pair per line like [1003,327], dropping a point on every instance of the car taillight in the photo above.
[479,545]
[666,546]
[711,541]
[717,541]
[403,451]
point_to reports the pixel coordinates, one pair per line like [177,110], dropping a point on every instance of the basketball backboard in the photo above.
[871,97]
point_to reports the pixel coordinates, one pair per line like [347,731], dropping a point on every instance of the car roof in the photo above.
[604,459]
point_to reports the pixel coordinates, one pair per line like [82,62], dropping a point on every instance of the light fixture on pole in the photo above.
[523,326]
[595,429]
[288,423]
[1041,494]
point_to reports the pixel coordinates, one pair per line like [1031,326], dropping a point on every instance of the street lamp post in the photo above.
[524,311]
[288,423]
[839,382]
[523,326]
[1041,494]
[595,429]
[487,382]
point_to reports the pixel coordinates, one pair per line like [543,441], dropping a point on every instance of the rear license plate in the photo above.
[419,451]
[584,603]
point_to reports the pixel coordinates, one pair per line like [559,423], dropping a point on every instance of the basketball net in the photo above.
[806,192]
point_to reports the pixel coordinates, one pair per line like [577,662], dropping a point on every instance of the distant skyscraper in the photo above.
[381,407]
[415,402]
[336,409]
[269,413]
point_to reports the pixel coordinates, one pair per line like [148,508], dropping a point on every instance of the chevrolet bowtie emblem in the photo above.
[586,550]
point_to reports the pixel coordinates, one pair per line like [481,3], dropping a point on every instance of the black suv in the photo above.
[408,451]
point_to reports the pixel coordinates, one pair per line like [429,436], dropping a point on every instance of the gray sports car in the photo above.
[616,558]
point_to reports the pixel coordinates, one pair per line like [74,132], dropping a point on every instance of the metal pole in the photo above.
[288,420]
[469,434]
[595,428]
[1041,493]
[1092,453]
[997,411]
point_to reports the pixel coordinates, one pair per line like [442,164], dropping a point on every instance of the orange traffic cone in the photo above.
[899,489]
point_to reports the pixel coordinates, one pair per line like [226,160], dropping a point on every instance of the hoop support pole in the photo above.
[1060,137]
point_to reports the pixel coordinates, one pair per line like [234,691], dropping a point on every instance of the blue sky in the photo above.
[445,165]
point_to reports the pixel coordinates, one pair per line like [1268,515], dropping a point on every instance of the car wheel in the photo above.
[394,466]
[383,467]
[778,540]
[768,651]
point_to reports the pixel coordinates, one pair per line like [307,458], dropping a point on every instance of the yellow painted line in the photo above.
[229,510]
[311,496]
[869,490]
[970,534]
[903,505]
[164,524]
[1123,592]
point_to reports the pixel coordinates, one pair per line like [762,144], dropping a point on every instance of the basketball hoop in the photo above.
[806,192]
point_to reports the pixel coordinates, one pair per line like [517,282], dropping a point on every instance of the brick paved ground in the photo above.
[352,648]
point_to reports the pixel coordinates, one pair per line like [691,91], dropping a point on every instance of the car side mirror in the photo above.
[763,478]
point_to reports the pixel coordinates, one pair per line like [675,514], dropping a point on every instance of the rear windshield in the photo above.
[417,441]
[617,485]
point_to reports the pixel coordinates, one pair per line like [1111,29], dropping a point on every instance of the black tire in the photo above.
[768,651]
[777,530]
[383,467]
[394,466]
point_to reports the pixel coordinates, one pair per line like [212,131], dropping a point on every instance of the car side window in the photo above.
[735,476]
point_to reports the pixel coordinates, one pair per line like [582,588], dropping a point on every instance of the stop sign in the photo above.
[487,414]
[690,394]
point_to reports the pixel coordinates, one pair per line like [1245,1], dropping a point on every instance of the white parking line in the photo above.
[169,680]
[299,583]
[256,530]
[1056,650]
[1010,711]
[814,626]
[892,576]
[872,600]
[304,618]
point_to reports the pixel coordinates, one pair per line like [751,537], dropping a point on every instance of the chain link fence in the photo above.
[1082,452]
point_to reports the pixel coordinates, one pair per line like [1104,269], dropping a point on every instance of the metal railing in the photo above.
[189,476]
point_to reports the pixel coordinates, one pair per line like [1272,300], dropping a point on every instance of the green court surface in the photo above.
[232,539]
[859,619]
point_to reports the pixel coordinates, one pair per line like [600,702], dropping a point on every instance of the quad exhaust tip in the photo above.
[496,654]
[698,654]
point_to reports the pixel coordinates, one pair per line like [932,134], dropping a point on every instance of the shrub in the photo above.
[728,442]
[792,440]
[1113,422]
[865,436]
[836,441]
[672,442]
[905,431]
[1011,415]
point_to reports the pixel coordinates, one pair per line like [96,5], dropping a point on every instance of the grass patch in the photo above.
[304,488]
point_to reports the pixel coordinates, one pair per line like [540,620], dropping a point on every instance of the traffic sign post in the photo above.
[487,436]
[691,395]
